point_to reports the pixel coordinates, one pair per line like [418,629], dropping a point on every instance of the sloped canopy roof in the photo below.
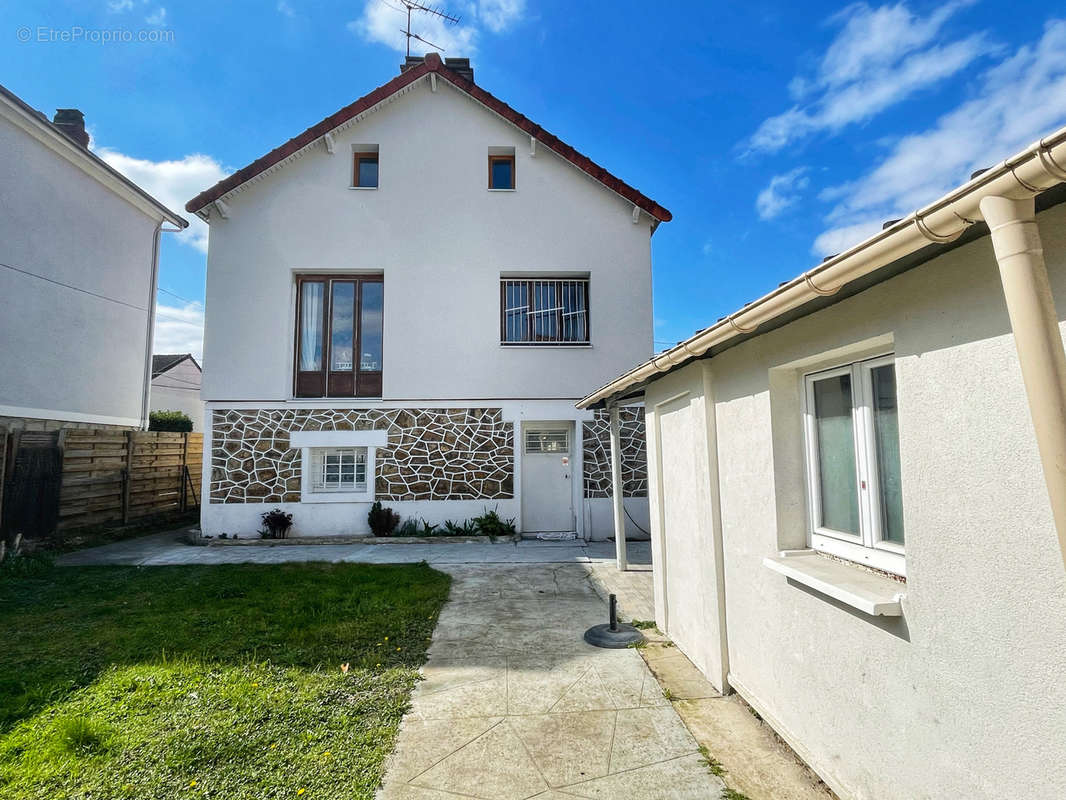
[432,64]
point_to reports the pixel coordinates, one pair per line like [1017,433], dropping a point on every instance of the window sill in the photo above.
[871,594]
[501,190]
[364,188]
[337,497]
[544,346]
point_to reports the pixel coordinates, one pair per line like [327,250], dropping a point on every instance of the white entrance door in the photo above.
[547,491]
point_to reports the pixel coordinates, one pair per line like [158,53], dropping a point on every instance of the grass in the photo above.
[208,681]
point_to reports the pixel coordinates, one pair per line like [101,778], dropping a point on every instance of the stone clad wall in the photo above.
[432,453]
[596,440]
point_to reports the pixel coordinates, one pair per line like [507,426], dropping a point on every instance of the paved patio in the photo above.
[515,705]
[170,548]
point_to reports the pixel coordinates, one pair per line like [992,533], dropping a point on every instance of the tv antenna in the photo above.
[436,11]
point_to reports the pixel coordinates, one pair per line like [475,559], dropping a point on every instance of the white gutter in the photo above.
[1033,170]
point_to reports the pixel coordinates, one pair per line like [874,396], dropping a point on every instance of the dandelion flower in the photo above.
[300,792]
[192,783]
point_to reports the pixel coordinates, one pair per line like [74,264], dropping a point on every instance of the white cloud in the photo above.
[383,21]
[879,58]
[499,15]
[1018,100]
[781,192]
[157,17]
[179,329]
[118,6]
[173,183]
[285,9]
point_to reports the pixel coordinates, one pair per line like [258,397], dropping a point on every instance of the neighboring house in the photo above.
[176,386]
[404,303]
[856,483]
[79,249]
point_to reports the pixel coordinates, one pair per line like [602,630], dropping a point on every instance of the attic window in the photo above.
[501,168]
[365,167]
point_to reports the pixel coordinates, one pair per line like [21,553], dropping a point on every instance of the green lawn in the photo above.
[208,682]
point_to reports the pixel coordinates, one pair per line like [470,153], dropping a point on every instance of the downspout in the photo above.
[1031,307]
[149,339]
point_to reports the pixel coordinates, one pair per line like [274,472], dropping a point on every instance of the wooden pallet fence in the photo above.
[116,476]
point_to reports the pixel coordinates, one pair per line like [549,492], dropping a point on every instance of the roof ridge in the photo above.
[432,64]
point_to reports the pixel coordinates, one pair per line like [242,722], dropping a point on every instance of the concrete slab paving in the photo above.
[516,705]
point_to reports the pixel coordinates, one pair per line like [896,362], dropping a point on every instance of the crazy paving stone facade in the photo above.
[596,441]
[432,454]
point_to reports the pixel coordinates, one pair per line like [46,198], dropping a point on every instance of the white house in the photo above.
[856,483]
[404,303]
[176,381]
[79,250]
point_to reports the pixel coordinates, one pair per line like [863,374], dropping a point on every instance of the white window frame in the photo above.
[320,469]
[867,547]
[310,442]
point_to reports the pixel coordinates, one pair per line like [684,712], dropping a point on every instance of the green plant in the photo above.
[491,524]
[409,528]
[277,524]
[713,764]
[80,736]
[643,624]
[14,561]
[668,694]
[466,528]
[383,521]
[733,794]
[173,421]
[427,529]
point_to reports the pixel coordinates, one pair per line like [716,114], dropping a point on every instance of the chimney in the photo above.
[72,123]
[460,66]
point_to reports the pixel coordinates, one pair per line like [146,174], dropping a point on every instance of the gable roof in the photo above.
[165,362]
[432,64]
[37,125]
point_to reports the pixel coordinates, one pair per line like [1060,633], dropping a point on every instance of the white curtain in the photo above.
[311,324]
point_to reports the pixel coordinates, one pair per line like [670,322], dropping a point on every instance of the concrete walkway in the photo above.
[169,548]
[515,705]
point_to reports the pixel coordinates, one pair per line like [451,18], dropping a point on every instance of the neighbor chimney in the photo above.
[72,123]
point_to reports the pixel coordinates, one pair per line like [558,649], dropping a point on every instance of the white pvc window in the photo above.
[855,496]
[335,469]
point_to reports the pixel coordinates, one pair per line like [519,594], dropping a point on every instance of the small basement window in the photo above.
[501,168]
[336,469]
[365,168]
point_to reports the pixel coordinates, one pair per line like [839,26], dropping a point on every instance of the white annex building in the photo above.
[405,302]
[858,497]
[79,262]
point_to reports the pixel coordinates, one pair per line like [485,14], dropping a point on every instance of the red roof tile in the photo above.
[432,64]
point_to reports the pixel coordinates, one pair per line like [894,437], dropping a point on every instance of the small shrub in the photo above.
[409,528]
[173,421]
[427,529]
[491,524]
[277,524]
[466,528]
[383,521]
[14,561]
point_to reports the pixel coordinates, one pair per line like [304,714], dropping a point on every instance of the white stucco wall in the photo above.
[964,695]
[442,240]
[69,354]
[178,389]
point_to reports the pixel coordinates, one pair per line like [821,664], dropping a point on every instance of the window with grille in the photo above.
[544,312]
[338,469]
[548,441]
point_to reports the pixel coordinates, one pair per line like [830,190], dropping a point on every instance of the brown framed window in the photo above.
[365,170]
[501,172]
[338,336]
[550,311]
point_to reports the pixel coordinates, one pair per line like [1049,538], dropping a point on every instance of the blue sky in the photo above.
[775,132]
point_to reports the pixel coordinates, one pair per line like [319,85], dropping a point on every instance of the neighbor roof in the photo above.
[163,363]
[84,156]
[432,64]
